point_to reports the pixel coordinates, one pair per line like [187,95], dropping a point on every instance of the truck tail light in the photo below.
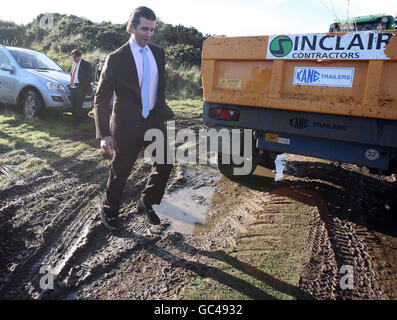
[224,114]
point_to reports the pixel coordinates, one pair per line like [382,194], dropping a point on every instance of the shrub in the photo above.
[183,82]
[183,55]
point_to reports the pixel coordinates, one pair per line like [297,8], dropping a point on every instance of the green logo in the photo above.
[281,46]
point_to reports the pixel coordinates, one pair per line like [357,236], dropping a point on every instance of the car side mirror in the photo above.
[6,67]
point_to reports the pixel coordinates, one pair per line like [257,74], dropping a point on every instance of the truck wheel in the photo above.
[228,169]
[32,105]
[266,159]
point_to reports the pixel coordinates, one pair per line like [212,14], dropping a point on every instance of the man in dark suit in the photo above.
[80,82]
[135,73]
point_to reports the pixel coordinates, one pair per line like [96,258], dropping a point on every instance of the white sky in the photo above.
[221,17]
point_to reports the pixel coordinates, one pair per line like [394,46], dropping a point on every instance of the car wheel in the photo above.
[32,105]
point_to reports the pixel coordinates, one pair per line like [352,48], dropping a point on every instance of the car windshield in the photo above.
[372,26]
[367,26]
[34,60]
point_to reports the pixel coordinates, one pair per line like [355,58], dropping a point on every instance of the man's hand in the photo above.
[107,145]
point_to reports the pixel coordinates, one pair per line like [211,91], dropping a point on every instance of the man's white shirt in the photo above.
[154,75]
[76,75]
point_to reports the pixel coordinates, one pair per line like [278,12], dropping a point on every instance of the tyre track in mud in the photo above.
[98,269]
[50,206]
[100,253]
[59,231]
[344,234]
[70,242]
[333,246]
[53,216]
[346,212]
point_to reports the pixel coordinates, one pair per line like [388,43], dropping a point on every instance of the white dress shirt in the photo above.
[154,75]
[76,76]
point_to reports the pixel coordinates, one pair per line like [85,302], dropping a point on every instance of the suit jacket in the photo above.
[119,75]
[84,74]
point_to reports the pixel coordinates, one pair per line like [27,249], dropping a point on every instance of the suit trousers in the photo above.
[77,96]
[126,151]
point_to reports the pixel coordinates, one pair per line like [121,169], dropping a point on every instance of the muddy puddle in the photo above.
[186,207]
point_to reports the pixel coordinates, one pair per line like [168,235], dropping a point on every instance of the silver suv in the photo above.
[30,79]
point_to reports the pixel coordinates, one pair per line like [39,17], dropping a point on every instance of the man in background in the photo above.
[79,84]
[99,70]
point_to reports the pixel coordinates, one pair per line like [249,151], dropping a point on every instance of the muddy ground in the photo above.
[291,231]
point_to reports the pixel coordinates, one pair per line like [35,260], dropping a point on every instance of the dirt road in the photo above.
[315,229]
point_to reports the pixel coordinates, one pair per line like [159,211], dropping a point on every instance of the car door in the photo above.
[7,80]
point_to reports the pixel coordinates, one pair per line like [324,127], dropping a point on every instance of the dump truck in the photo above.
[328,95]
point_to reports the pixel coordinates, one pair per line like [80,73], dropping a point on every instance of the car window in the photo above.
[24,60]
[372,26]
[4,58]
[34,60]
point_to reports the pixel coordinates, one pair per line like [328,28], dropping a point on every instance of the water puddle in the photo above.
[186,208]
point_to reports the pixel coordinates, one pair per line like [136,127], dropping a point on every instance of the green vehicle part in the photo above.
[376,22]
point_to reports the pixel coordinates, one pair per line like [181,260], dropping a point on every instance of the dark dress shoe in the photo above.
[110,220]
[148,211]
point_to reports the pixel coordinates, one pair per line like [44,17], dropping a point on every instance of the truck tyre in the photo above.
[266,159]
[32,105]
[228,169]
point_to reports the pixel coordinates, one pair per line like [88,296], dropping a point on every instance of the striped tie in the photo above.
[145,84]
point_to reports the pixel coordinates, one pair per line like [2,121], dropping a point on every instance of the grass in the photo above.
[261,275]
[258,268]
[37,144]
[183,82]
[192,108]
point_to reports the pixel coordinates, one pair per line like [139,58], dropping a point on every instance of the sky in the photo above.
[213,17]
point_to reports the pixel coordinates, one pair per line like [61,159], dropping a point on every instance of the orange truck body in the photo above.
[329,95]
[239,70]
